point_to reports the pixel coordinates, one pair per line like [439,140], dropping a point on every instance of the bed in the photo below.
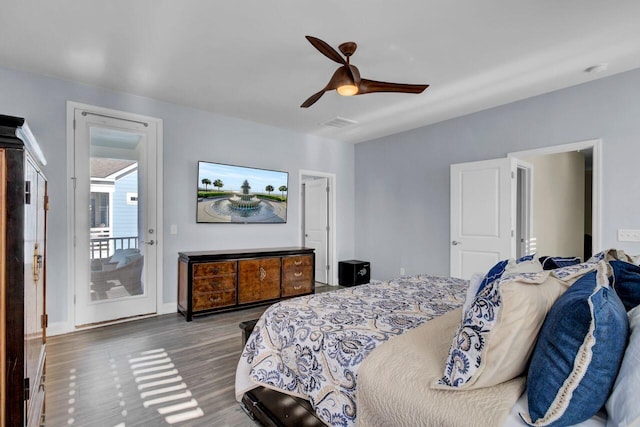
[311,347]
[325,349]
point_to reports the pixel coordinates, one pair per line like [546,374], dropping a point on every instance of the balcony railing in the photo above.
[104,247]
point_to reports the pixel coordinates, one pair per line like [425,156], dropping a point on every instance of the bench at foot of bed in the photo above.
[272,408]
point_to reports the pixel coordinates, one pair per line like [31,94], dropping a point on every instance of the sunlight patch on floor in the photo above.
[162,387]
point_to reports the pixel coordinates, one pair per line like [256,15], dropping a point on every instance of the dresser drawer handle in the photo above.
[297,287]
[263,274]
[212,299]
[299,262]
[298,274]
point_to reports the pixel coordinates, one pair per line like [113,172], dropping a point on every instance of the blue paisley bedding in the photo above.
[312,346]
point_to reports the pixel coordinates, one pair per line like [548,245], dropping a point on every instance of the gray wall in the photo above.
[402,181]
[189,135]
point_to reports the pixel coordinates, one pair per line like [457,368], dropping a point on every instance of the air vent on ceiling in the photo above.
[340,122]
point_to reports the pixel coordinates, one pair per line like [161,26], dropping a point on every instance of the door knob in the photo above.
[150,242]
[455,243]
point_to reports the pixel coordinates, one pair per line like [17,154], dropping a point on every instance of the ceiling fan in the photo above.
[346,80]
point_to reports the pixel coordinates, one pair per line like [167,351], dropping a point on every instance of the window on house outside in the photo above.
[99,210]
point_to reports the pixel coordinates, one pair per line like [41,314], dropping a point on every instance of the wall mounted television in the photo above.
[240,195]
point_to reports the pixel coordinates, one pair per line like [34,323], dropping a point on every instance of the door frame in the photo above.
[524,197]
[332,277]
[596,196]
[123,115]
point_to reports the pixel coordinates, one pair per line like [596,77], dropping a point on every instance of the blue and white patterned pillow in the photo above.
[578,353]
[572,272]
[493,274]
[498,270]
[504,318]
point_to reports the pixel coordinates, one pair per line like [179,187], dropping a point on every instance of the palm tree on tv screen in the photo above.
[218,184]
[206,182]
[268,189]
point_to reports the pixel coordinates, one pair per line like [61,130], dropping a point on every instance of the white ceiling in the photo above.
[249,58]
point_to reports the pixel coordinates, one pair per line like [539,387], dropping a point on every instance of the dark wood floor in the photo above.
[150,372]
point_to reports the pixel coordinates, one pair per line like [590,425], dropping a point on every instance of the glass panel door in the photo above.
[114,229]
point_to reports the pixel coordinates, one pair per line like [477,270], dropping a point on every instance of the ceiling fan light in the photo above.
[347,90]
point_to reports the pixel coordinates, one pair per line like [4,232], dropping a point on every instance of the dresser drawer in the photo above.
[214,284]
[297,262]
[297,269]
[297,275]
[206,269]
[204,301]
[290,289]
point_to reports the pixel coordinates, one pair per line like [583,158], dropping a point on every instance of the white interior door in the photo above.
[115,250]
[316,232]
[483,212]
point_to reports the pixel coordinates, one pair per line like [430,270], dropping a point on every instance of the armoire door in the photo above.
[34,290]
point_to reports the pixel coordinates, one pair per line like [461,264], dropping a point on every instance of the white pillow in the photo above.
[622,406]
[472,290]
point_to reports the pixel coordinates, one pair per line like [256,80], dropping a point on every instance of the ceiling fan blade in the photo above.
[339,76]
[371,86]
[312,99]
[326,50]
[355,74]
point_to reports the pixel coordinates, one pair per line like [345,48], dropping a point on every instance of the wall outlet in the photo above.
[173,229]
[402,271]
[628,235]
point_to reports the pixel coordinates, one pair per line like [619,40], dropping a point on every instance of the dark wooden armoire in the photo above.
[23,320]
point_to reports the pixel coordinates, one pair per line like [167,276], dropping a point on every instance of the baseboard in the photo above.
[59,328]
[168,308]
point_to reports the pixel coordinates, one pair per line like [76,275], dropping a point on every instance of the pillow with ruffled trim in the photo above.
[499,330]
[496,272]
[572,273]
[578,353]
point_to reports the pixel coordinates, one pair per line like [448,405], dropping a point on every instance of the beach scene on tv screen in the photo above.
[235,194]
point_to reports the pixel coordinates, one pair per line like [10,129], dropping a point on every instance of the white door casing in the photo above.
[525,240]
[483,212]
[316,223]
[595,146]
[86,119]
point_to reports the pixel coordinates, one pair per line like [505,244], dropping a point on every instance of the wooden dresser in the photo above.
[23,319]
[211,281]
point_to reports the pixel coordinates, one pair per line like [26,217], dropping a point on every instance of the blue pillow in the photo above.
[626,282]
[577,356]
[553,262]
